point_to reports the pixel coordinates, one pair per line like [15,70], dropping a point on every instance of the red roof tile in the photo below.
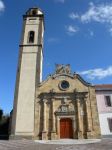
[103,86]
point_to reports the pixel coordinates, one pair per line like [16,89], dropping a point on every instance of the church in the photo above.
[62,106]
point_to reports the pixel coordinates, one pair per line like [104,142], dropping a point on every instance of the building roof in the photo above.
[103,87]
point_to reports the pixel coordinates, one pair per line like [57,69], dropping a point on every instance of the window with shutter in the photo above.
[110,124]
[108,101]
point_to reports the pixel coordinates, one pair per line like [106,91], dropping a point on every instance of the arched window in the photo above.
[31,37]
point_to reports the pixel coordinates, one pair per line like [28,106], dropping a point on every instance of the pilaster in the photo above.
[37,118]
[82,113]
[44,132]
[88,118]
[53,132]
[79,119]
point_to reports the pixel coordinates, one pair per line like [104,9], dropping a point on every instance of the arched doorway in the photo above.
[66,128]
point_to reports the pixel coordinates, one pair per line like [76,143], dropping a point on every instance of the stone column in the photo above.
[74,128]
[58,128]
[53,109]
[88,117]
[44,132]
[82,113]
[79,119]
[53,133]
[37,118]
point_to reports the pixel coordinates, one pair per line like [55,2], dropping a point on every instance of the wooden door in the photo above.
[66,129]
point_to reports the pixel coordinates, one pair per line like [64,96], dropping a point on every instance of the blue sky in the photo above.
[77,32]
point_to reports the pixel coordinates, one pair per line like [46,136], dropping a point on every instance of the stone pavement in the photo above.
[104,144]
[68,141]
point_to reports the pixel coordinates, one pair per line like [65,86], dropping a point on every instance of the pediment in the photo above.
[63,83]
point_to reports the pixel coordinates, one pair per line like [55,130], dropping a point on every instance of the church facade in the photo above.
[65,107]
[62,106]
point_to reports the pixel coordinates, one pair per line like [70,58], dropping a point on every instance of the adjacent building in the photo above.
[104,102]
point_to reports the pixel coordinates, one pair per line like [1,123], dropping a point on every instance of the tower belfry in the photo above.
[29,73]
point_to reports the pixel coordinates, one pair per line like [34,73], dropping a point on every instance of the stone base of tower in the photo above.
[20,137]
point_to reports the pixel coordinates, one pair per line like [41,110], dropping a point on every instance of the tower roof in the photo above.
[34,11]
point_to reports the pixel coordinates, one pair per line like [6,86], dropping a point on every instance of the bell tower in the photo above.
[29,74]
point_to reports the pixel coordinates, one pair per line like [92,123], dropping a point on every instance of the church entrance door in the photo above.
[66,129]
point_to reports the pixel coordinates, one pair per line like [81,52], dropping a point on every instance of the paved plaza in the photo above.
[104,144]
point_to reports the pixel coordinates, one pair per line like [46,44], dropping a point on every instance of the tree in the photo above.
[1,114]
[4,125]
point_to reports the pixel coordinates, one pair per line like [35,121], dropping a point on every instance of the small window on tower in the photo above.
[31,37]
[34,12]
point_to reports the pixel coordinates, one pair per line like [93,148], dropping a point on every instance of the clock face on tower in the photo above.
[64,85]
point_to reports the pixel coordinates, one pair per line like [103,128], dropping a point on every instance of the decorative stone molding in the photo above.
[63,69]
[65,110]
[68,95]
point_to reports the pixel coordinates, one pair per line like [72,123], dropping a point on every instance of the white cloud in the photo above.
[71,30]
[98,73]
[101,13]
[91,33]
[110,30]
[53,40]
[60,1]
[2,6]
[73,16]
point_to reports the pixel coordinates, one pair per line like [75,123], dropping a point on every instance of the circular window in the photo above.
[64,85]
